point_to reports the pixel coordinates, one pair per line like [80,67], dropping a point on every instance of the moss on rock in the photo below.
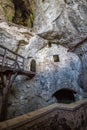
[8,9]
[1,13]
[18,11]
[24,12]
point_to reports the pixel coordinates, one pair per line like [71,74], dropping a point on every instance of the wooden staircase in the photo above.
[11,65]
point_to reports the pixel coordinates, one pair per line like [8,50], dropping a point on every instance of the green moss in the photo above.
[8,14]
[1,9]
[18,11]
[30,20]
[8,9]
[24,12]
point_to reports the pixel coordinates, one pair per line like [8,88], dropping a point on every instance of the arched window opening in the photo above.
[65,96]
[33,66]
[49,44]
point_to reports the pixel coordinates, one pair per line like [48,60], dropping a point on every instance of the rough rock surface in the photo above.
[7,8]
[17,11]
[13,36]
[24,12]
[62,22]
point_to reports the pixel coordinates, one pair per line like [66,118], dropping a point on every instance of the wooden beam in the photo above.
[6,91]
[4,57]
[78,44]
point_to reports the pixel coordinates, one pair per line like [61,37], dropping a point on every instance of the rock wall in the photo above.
[57,25]
[18,12]
[61,21]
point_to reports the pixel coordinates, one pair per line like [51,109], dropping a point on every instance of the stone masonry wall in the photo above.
[54,117]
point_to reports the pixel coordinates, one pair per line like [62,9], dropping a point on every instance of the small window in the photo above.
[56,58]
[33,66]
[49,44]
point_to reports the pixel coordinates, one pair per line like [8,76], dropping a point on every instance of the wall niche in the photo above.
[56,58]
[65,95]
[33,66]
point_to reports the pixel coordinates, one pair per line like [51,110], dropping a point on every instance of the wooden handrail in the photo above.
[1,46]
[8,72]
[5,57]
[1,55]
[78,44]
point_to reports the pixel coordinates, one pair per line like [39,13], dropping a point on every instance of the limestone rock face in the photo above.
[14,36]
[61,21]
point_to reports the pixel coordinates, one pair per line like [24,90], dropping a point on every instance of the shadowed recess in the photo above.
[65,95]
[23,12]
[33,66]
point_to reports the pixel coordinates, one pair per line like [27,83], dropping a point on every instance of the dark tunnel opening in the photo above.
[65,95]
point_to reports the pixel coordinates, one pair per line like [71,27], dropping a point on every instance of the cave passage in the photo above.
[65,95]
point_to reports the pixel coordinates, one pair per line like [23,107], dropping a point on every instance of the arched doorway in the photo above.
[65,95]
[33,66]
